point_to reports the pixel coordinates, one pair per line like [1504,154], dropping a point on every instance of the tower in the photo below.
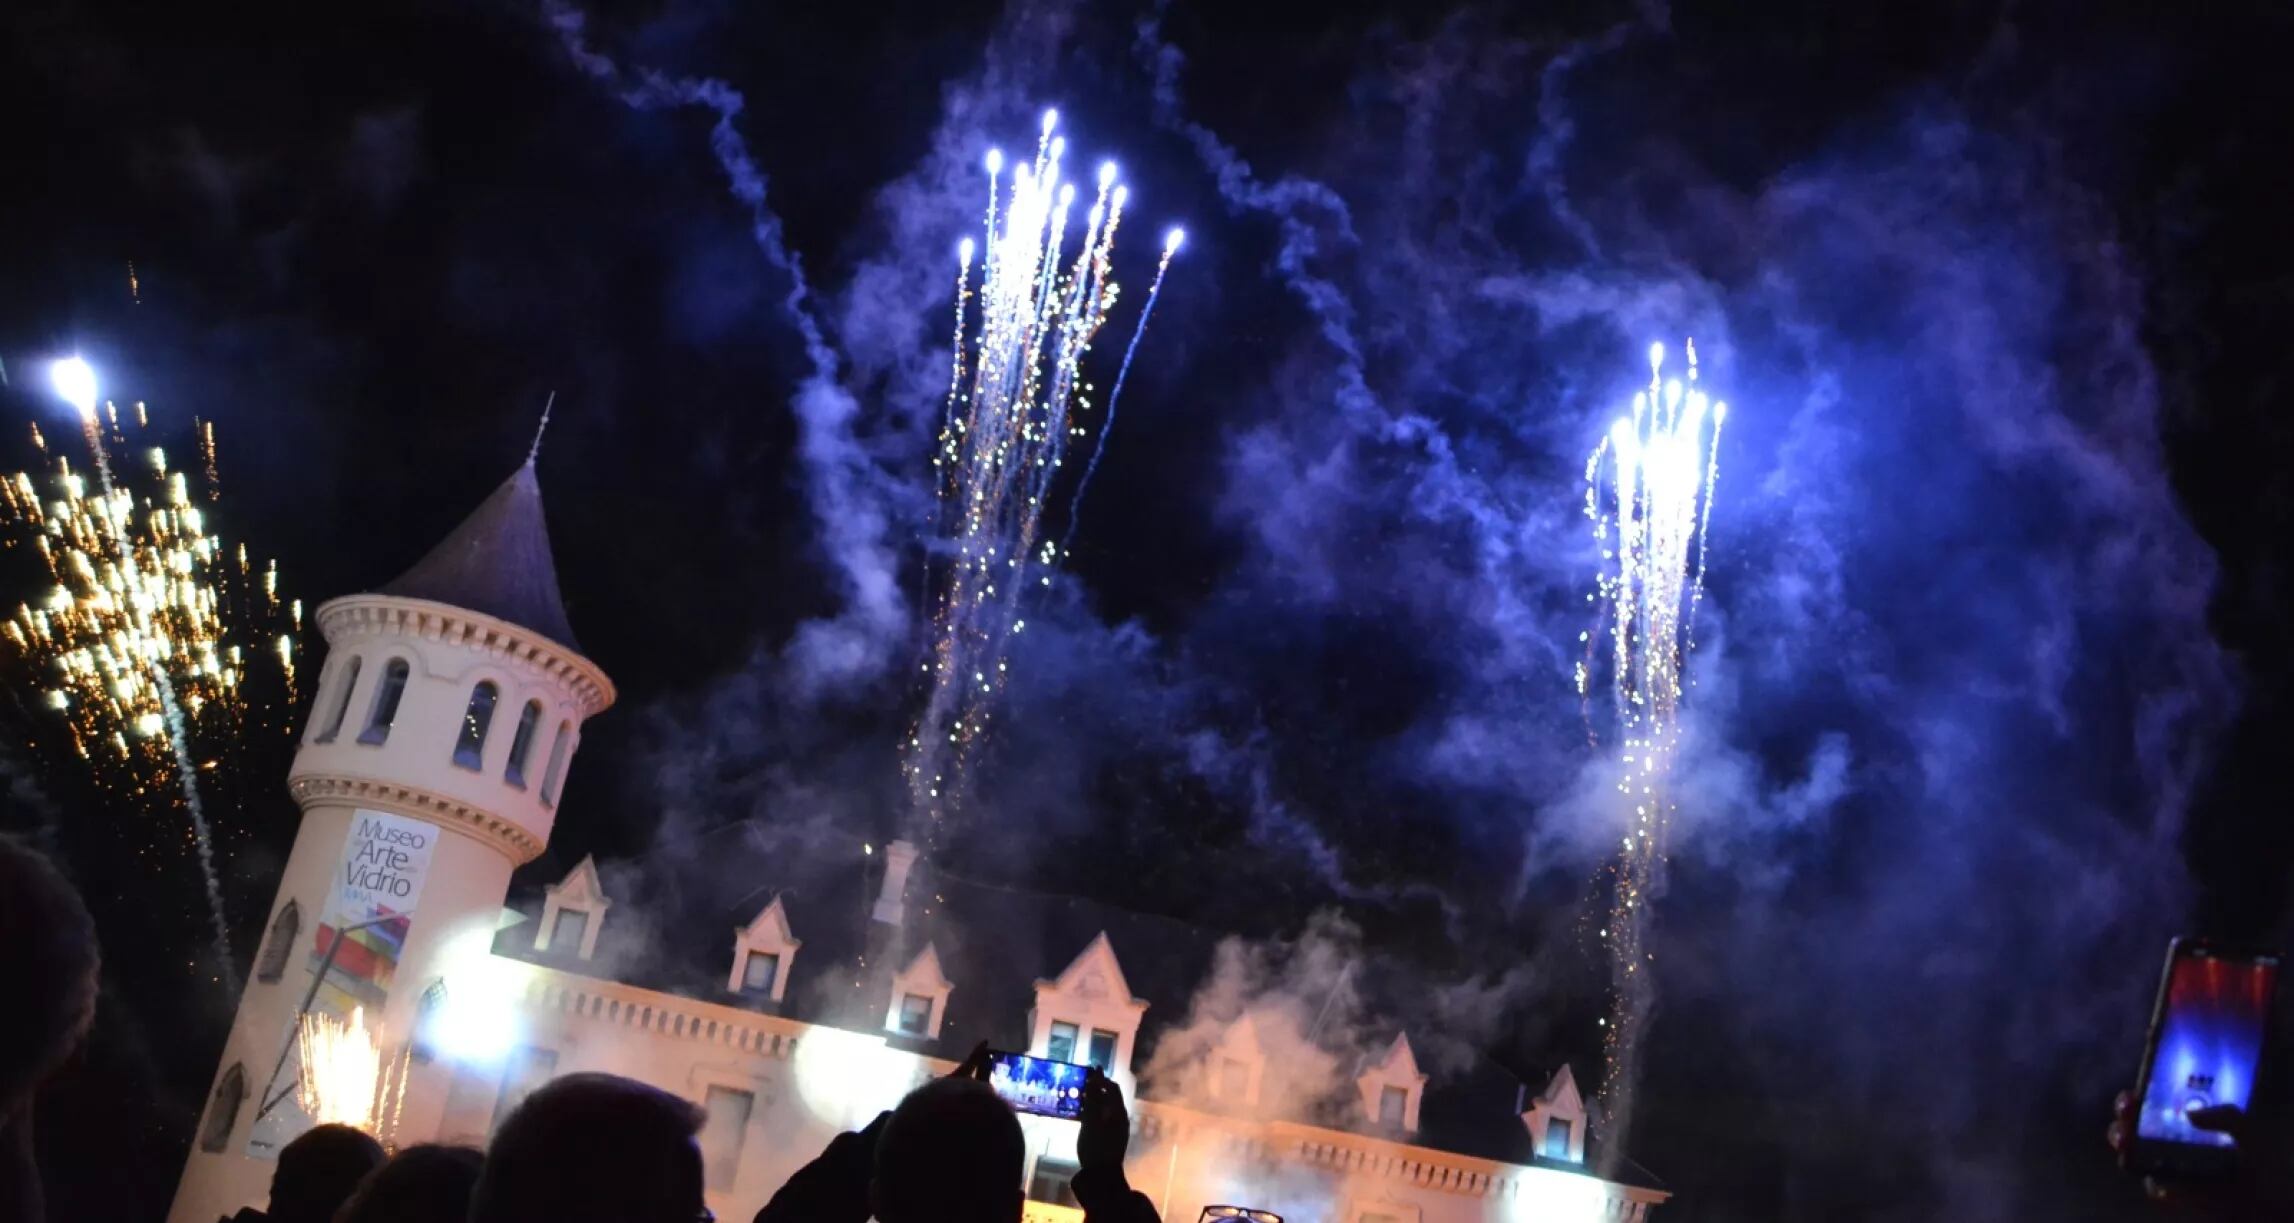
[431,764]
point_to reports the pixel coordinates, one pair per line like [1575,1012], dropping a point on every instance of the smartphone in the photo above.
[1038,1085]
[2204,1047]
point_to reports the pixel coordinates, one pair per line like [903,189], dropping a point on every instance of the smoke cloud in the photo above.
[853,500]
[1954,683]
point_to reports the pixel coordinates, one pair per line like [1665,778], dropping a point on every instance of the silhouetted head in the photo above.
[318,1172]
[593,1148]
[952,1153]
[425,1184]
[48,958]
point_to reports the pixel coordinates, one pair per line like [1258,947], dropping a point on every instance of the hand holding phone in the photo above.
[2199,1063]
[1105,1136]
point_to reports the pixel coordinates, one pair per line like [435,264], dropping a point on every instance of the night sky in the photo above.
[1991,682]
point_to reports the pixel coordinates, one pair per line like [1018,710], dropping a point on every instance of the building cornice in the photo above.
[646,1010]
[375,614]
[1361,1155]
[503,836]
[1426,1166]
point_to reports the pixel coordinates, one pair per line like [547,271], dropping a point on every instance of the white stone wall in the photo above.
[812,1083]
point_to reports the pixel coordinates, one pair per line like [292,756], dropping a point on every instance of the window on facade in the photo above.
[386,697]
[338,703]
[1393,1106]
[1061,1046]
[1557,1135]
[727,1123]
[1103,1050]
[915,1013]
[477,716]
[223,1109]
[1053,1181]
[522,744]
[529,1069]
[557,767]
[285,928]
[1234,1079]
[759,971]
[566,936]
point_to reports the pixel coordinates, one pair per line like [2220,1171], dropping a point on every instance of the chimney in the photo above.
[891,905]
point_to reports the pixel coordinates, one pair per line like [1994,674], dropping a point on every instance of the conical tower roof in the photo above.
[497,562]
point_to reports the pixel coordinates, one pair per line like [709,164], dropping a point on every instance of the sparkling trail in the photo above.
[1663,462]
[1171,244]
[1015,400]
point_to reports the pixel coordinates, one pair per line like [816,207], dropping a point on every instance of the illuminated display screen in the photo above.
[2210,1037]
[1039,1086]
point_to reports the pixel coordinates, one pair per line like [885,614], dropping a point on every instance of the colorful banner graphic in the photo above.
[354,952]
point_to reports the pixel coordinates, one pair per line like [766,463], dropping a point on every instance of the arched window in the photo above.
[522,744]
[386,695]
[337,703]
[557,770]
[470,748]
[281,945]
[223,1110]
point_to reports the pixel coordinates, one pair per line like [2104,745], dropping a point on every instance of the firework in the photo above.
[1016,398]
[1661,462]
[142,641]
[1172,241]
[347,1077]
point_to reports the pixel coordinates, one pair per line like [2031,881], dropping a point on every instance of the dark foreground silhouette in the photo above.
[594,1148]
[50,960]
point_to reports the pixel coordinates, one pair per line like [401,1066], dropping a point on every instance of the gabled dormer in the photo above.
[1392,1088]
[763,952]
[1557,1120]
[573,909]
[919,997]
[1088,1014]
[1235,1072]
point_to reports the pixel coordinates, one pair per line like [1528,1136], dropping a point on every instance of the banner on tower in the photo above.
[353,956]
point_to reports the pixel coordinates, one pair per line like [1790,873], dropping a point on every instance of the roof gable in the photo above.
[923,972]
[1400,1065]
[580,889]
[1241,1038]
[1094,974]
[1561,1094]
[770,927]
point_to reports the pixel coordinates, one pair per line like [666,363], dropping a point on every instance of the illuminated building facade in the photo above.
[790,991]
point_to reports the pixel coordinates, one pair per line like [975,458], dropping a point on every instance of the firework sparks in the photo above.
[1017,397]
[1172,241]
[141,642]
[1662,462]
[346,1076]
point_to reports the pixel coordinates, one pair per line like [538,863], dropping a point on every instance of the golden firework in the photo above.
[144,597]
[142,640]
[348,1077]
